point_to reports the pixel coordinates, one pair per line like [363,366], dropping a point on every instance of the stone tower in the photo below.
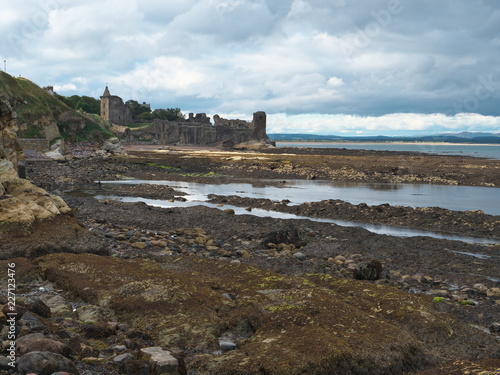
[114,110]
[259,126]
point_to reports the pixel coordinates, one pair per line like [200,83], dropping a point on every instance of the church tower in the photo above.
[105,99]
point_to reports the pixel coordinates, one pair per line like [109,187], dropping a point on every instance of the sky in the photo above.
[364,67]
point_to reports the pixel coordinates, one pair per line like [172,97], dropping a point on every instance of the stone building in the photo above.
[198,130]
[114,110]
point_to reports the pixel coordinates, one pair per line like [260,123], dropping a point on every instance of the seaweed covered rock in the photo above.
[279,324]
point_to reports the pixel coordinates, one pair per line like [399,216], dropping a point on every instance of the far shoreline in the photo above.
[386,142]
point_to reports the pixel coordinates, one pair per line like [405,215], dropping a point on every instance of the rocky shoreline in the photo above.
[200,290]
[466,223]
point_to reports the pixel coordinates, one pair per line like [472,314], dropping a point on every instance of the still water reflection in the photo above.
[457,198]
[298,191]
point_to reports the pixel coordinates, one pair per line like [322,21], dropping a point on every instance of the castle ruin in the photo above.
[195,130]
[114,110]
[198,130]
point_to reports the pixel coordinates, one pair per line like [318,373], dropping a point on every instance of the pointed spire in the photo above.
[106,92]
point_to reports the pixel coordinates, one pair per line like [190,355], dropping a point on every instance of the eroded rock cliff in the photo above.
[21,202]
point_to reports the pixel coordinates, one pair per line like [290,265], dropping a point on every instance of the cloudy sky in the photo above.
[363,67]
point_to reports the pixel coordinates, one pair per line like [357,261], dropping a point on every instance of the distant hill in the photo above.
[41,114]
[464,137]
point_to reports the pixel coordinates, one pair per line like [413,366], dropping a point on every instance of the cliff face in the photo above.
[10,150]
[21,202]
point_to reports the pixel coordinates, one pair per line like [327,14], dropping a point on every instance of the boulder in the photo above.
[45,363]
[36,344]
[59,306]
[369,270]
[94,314]
[37,306]
[162,361]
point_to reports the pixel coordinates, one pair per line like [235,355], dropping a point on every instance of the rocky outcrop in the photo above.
[469,223]
[21,202]
[10,149]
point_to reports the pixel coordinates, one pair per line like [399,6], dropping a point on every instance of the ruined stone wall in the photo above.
[197,130]
[36,144]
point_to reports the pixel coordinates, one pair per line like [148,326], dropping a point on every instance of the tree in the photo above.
[82,103]
[137,109]
[170,114]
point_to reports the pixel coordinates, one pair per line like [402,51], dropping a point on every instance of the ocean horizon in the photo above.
[488,151]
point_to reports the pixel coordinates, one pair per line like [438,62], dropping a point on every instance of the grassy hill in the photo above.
[42,115]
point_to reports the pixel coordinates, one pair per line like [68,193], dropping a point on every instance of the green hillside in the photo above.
[42,115]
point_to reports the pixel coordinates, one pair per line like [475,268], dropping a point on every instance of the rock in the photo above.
[495,328]
[37,306]
[123,357]
[229,211]
[300,256]
[30,336]
[28,203]
[134,367]
[5,363]
[45,363]
[340,258]
[120,348]
[493,292]
[37,344]
[56,150]
[224,253]
[97,331]
[162,361]
[139,245]
[59,306]
[439,292]
[227,345]
[351,267]
[371,270]
[31,322]
[17,309]
[94,314]
[112,144]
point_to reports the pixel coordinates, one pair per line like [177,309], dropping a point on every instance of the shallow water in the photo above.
[490,151]
[457,198]
[374,228]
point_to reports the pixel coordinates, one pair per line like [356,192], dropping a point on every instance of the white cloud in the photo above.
[335,58]
[397,123]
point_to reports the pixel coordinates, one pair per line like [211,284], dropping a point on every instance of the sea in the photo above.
[488,151]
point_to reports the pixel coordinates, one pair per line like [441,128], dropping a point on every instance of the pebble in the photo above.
[227,345]
[495,328]
[300,256]
[139,245]
[123,357]
[493,292]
